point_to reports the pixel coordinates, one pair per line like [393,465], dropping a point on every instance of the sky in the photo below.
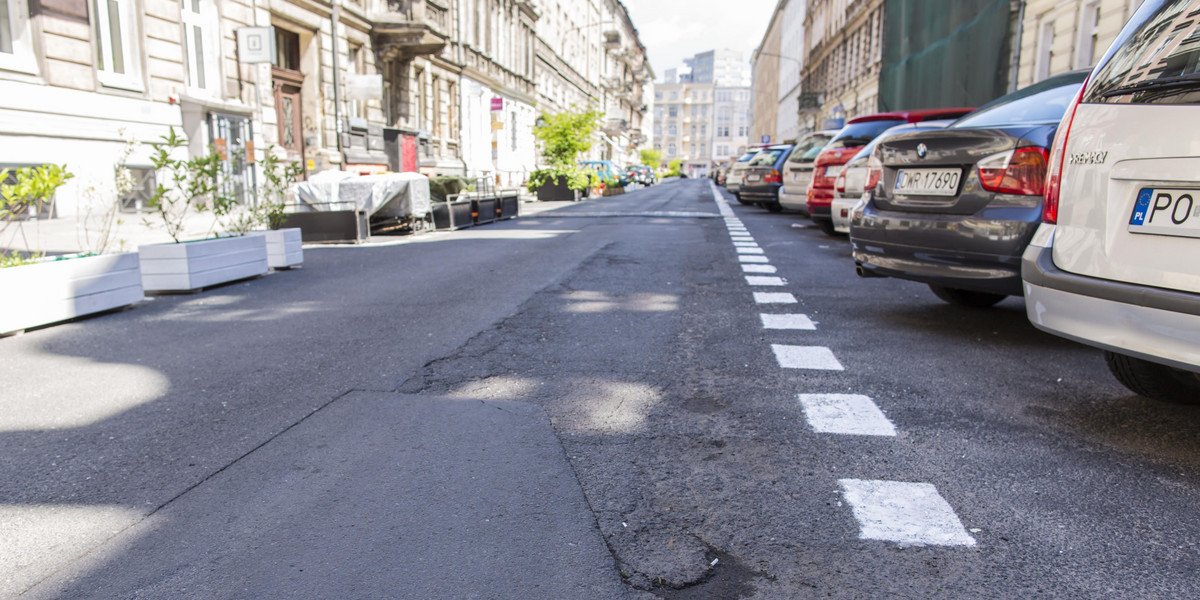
[672,30]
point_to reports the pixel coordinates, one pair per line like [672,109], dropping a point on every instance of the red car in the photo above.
[857,133]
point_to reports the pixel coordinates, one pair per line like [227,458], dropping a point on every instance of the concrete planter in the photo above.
[190,266]
[52,291]
[284,248]
[613,191]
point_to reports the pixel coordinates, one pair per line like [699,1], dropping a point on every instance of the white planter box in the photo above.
[52,291]
[284,248]
[191,266]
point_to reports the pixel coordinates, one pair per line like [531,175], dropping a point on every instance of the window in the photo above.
[672,130]
[117,54]
[703,130]
[694,107]
[1045,53]
[1089,32]
[658,95]
[673,111]
[287,50]
[674,95]
[357,65]
[16,38]
[201,46]
[671,150]
[722,131]
[743,131]
[693,130]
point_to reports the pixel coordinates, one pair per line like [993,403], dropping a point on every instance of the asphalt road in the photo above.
[690,459]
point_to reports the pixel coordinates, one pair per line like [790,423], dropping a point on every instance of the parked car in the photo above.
[733,179]
[764,177]
[850,184]
[606,169]
[1114,263]
[954,208]
[798,170]
[641,174]
[857,133]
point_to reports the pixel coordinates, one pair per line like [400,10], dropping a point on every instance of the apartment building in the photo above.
[764,93]
[840,76]
[1058,36]
[702,116]
[436,86]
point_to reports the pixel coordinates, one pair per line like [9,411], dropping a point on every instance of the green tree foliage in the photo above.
[35,186]
[673,168]
[651,158]
[566,134]
[185,185]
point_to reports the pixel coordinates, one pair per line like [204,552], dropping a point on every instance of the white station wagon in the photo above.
[1117,262]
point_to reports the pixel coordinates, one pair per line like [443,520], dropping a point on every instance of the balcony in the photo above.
[410,28]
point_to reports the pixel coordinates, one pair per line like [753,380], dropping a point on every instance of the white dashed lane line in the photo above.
[790,321]
[774,298]
[848,414]
[741,250]
[745,244]
[758,269]
[752,259]
[806,357]
[765,280]
[905,513]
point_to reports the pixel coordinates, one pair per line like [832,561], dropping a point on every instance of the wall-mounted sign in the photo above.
[256,45]
[497,104]
[766,139]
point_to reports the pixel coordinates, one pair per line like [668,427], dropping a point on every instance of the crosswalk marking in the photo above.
[791,321]
[758,269]
[905,513]
[849,414]
[806,357]
[765,280]
[774,298]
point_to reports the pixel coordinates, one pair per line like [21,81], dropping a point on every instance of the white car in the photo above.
[1116,263]
[737,170]
[798,170]
[849,186]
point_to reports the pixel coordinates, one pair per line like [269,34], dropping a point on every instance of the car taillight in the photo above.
[1020,171]
[874,171]
[839,184]
[773,177]
[1053,185]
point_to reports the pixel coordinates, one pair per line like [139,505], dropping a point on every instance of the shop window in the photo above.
[16,39]
[117,53]
[231,136]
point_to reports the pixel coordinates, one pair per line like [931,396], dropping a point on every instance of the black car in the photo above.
[954,208]
[764,176]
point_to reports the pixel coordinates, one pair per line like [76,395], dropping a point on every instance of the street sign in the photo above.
[497,104]
[766,139]
[255,45]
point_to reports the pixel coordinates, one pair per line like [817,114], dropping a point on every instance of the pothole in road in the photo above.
[727,580]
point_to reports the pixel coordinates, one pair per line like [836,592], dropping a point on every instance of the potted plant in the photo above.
[284,245]
[187,185]
[44,290]
[563,137]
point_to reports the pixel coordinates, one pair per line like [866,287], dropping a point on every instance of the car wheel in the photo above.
[826,226]
[968,298]
[1154,381]
[773,207]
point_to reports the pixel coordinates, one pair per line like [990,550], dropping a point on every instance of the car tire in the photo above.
[967,298]
[774,207]
[826,226]
[1154,381]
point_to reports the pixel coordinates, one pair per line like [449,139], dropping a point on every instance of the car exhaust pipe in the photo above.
[865,273]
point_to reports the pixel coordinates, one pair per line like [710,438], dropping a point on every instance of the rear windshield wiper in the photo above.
[1166,82]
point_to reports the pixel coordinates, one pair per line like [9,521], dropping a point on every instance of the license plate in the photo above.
[834,171]
[927,182]
[1166,212]
[752,178]
[801,176]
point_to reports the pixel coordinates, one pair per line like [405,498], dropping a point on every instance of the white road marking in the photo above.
[758,269]
[791,321]
[764,280]
[850,414]
[745,243]
[752,259]
[806,357]
[905,513]
[774,298]
[750,251]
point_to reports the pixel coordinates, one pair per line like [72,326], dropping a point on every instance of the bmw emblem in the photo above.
[922,150]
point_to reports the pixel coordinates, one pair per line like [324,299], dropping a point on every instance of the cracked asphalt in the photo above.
[641,390]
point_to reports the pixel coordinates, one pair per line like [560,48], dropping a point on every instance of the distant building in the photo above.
[764,93]
[1059,36]
[702,117]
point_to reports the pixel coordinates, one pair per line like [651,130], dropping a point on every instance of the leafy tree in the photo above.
[674,167]
[651,158]
[566,134]
[35,186]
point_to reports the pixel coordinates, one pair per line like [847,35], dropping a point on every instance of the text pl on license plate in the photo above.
[927,182]
[1166,212]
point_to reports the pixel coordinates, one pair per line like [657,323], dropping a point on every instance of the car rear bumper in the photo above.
[793,201]
[1154,324]
[970,252]
[841,209]
[760,192]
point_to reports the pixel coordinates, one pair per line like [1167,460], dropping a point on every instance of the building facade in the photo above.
[791,63]
[764,92]
[702,116]
[842,60]
[1058,36]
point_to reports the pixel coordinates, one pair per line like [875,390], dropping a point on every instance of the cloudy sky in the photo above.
[672,30]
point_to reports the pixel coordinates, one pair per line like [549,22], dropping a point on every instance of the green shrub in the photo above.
[577,178]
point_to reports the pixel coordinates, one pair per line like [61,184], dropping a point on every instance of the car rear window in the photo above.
[766,157]
[1030,105]
[747,156]
[808,148]
[1155,61]
[860,134]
